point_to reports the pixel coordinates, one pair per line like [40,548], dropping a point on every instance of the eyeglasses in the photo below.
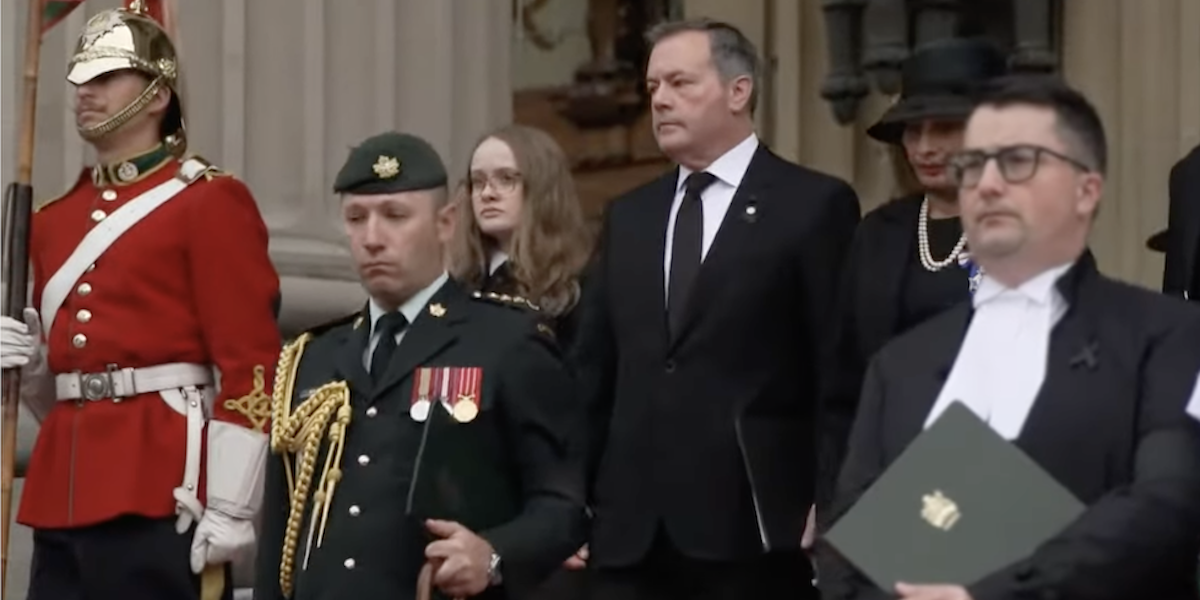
[503,182]
[1016,164]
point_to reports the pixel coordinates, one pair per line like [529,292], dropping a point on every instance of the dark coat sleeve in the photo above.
[539,410]
[276,505]
[842,380]
[824,260]
[1141,530]
[864,463]
[592,354]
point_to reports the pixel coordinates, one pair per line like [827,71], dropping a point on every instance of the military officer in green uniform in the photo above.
[352,399]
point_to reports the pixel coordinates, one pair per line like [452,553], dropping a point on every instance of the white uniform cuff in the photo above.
[236,463]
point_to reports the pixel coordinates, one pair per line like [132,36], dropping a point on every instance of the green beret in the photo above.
[389,163]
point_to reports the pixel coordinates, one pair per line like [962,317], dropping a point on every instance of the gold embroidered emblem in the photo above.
[437,310]
[255,406]
[939,511]
[386,167]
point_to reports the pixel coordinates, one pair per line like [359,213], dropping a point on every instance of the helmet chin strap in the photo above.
[111,124]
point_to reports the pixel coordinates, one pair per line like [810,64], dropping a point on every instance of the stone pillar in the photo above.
[276,93]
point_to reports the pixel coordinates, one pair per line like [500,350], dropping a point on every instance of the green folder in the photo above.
[459,476]
[958,504]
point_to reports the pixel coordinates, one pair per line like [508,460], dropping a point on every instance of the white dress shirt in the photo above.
[411,310]
[1001,365]
[729,170]
[496,260]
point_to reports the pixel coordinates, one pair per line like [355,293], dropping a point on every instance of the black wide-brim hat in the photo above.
[937,81]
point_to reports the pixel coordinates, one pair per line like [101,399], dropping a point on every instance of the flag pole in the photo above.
[18,211]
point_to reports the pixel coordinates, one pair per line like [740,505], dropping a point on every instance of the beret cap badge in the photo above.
[386,167]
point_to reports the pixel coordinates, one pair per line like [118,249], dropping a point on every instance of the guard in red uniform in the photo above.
[156,297]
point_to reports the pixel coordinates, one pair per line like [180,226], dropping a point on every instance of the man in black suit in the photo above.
[351,402]
[700,339]
[1181,239]
[1088,376]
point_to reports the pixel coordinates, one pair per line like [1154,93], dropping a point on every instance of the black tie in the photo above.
[686,248]
[388,326]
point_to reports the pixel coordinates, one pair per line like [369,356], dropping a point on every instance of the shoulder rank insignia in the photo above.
[210,170]
[506,300]
[355,318]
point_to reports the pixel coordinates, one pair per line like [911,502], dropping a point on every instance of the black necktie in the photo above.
[388,326]
[686,248]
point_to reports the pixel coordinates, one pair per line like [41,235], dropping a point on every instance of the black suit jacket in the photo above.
[1108,423]
[527,412]
[1181,273]
[685,430]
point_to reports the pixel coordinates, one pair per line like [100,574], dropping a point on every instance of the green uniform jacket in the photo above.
[370,548]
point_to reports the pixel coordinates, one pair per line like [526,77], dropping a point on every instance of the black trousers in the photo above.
[666,574]
[129,558]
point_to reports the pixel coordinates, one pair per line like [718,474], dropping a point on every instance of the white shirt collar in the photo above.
[496,261]
[412,308]
[730,167]
[1040,289]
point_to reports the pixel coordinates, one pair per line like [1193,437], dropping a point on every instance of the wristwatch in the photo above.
[494,577]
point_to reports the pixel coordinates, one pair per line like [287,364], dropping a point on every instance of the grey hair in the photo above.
[733,54]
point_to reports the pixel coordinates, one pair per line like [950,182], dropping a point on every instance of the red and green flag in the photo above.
[54,11]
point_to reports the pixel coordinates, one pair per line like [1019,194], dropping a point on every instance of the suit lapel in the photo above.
[649,247]
[931,369]
[425,337]
[349,360]
[736,231]
[1072,357]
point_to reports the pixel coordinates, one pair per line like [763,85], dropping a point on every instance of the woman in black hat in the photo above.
[908,259]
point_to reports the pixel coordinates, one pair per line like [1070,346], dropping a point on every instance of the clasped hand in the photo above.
[20,343]
[461,559]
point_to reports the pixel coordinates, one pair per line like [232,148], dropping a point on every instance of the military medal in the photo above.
[974,271]
[419,409]
[444,388]
[466,404]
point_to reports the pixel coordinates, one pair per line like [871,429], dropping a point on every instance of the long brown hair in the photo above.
[551,244]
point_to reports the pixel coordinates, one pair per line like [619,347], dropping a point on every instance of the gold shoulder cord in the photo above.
[300,433]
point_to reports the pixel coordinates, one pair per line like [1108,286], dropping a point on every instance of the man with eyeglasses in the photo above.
[1088,376]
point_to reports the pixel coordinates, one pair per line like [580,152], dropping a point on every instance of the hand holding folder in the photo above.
[958,504]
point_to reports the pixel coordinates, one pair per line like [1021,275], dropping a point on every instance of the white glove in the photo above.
[20,343]
[220,539]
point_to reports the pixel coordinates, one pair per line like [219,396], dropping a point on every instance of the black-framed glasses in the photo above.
[1016,163]
[504,181]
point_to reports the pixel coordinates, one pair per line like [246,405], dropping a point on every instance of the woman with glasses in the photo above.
[523,232]
[909,259]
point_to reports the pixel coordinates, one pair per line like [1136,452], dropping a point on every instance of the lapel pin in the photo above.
[751,214]
[358,322]
[437,310]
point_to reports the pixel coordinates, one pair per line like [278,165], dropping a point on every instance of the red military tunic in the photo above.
[192,282]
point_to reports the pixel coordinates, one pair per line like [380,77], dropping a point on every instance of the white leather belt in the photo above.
[117,383]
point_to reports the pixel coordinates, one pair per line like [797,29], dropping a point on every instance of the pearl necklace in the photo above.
[927,260]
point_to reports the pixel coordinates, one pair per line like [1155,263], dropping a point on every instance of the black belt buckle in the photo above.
[99,386]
